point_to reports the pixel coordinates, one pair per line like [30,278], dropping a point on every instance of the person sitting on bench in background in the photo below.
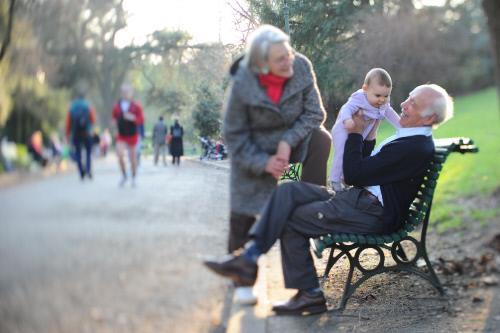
[385,181]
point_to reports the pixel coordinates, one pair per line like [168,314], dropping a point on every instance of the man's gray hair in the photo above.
[126,87]
[442,106]
[259,42]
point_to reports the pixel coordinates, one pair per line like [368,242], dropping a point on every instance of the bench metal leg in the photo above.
[433,279]
[398,255]
[332,260]
[349,288]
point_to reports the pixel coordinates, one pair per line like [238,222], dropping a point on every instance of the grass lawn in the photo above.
[477,117]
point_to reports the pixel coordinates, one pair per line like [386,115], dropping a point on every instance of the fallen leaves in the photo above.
[494,243]
[473,267]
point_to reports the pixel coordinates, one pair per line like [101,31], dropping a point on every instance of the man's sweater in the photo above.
[398,168]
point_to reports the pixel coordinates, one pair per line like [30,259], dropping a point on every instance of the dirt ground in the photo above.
[467,263]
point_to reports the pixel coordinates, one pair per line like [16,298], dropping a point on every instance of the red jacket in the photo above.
[134,108]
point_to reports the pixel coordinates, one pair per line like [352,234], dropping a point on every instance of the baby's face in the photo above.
[377,94]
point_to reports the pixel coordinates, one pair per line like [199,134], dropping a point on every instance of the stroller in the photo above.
[212,151]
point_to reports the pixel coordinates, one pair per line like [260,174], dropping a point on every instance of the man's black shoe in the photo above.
[237,268]
[303,303]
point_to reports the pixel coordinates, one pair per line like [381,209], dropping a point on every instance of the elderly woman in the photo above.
[273,116]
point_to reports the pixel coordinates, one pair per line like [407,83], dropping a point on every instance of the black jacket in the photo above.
[398,168]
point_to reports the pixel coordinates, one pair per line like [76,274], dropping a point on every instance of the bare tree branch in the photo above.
[242,12]
[244,21]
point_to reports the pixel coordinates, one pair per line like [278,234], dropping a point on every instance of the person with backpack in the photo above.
[128,117]
[79,123]
[176,145]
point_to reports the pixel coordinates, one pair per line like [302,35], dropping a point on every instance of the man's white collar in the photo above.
[411,131]
[402,133]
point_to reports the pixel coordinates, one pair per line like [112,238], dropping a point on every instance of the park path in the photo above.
[93,257]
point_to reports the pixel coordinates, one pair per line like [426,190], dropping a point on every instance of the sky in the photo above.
[204,20]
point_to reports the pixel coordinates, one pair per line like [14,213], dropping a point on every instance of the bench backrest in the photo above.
[420,208]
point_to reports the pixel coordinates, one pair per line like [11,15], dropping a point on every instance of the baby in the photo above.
[373,99]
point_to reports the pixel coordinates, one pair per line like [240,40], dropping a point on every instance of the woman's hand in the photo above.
[284,150]
[278,163]
[276,166]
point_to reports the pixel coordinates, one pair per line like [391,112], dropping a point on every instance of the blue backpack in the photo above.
[80,119]
[176,132]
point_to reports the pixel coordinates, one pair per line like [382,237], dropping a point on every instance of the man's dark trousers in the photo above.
[79,144]
[297,211]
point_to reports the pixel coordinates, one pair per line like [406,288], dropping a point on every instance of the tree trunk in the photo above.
[8,33]
[3,162]
[492,12]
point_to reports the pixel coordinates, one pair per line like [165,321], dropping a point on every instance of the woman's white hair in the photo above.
[257,48]
[442,106]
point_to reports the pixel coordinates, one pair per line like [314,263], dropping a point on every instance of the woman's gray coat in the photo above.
[254,125]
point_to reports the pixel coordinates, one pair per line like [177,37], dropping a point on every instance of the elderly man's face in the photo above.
[280,60]
[127,93]
[415,104]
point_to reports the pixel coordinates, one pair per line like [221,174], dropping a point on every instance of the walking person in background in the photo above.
[35,148]
[96,142]
[106,141]
[56,149]
[176,145]
[128,116]
[79,127]
[159,140]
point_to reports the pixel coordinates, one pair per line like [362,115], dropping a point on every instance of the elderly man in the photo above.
[385,181]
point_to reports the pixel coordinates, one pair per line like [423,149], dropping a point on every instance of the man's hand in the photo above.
[129,116]
[359,123]
[373,133]
[276,166]
[349,124]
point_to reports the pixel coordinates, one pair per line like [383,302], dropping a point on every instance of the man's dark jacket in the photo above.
[398,168]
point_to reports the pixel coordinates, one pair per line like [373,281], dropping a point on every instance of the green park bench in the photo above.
[416,223]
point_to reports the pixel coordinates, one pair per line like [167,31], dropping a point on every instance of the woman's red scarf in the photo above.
[274,86]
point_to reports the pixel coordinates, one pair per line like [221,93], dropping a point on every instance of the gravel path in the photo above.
[93,257]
